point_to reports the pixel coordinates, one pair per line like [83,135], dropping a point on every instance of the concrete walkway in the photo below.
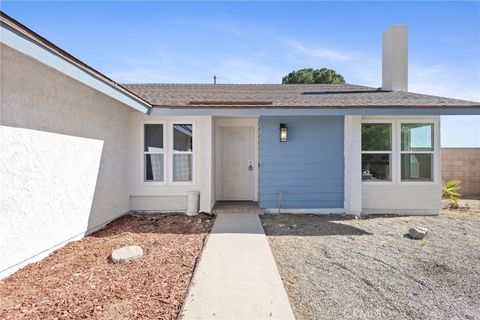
[237,277]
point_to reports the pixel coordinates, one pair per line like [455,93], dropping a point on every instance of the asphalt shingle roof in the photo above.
[286,96]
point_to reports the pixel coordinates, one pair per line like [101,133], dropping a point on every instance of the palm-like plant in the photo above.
[450,191]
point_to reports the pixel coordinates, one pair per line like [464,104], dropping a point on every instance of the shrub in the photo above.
[451,191]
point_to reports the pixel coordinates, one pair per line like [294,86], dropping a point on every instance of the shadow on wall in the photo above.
[48,184]
[309,226]
[64,162]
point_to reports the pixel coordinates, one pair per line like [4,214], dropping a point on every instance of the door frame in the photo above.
[236,122]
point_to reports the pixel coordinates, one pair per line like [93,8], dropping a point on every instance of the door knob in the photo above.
[250,166]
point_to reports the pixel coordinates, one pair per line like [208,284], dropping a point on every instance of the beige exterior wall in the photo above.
[63,165]
[169,195]
[404,197]
[462,164]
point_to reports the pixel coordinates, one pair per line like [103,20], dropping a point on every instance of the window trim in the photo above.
[391,152]
[396,147]
[435,152]
[173,152]
[143,153]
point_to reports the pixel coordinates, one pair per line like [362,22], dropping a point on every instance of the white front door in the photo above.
[236,167]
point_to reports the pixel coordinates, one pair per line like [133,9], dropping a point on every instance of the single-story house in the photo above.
[78,150]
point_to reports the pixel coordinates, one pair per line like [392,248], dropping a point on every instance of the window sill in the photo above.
[154,183]
[378,182]
[415,183]
[178,183]
[400,183]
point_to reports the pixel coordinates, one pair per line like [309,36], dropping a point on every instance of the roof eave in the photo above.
[229,106]
[19,37]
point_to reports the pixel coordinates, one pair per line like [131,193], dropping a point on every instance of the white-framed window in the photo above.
[377,151]
[182,156]
[400,150]
[154,152]
[417,151]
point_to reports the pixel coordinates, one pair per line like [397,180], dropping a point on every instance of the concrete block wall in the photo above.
[462,164]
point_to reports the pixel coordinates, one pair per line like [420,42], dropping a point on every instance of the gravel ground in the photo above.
[336,267]
[79,280]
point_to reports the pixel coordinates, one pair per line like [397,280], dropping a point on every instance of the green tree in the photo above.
[309,76]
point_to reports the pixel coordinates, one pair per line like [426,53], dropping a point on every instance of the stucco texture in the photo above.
[167,195]
[405,197]
[63,165]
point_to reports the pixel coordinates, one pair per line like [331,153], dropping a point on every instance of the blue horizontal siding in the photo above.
[308,169]
[304,189]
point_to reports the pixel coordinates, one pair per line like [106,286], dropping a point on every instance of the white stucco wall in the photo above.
[169,196]
[407,199]
[353,164]
[63,163]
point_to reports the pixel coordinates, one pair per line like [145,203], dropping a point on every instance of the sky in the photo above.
[259,42]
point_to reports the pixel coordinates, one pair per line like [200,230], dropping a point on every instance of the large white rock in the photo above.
[126,254]
[418,232]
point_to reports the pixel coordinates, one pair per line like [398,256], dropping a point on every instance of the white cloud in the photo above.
[253,63]
[315,52]
[446,81]
[260,35]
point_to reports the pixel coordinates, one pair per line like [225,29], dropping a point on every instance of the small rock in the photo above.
[294,226]
[453,205]
[417,232]
[281,225]
[127,253]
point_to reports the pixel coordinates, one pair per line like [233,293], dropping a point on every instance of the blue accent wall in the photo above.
[308,169]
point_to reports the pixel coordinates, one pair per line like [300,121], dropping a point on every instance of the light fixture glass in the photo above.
[283,132]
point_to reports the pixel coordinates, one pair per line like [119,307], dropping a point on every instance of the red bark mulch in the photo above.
[79,280]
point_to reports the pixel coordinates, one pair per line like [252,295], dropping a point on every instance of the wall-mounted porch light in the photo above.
[283,132]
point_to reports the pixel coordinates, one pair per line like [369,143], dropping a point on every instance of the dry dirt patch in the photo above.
[341,268]
[79,280]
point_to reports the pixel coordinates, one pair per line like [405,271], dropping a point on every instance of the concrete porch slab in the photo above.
[237,277]
[236,207]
